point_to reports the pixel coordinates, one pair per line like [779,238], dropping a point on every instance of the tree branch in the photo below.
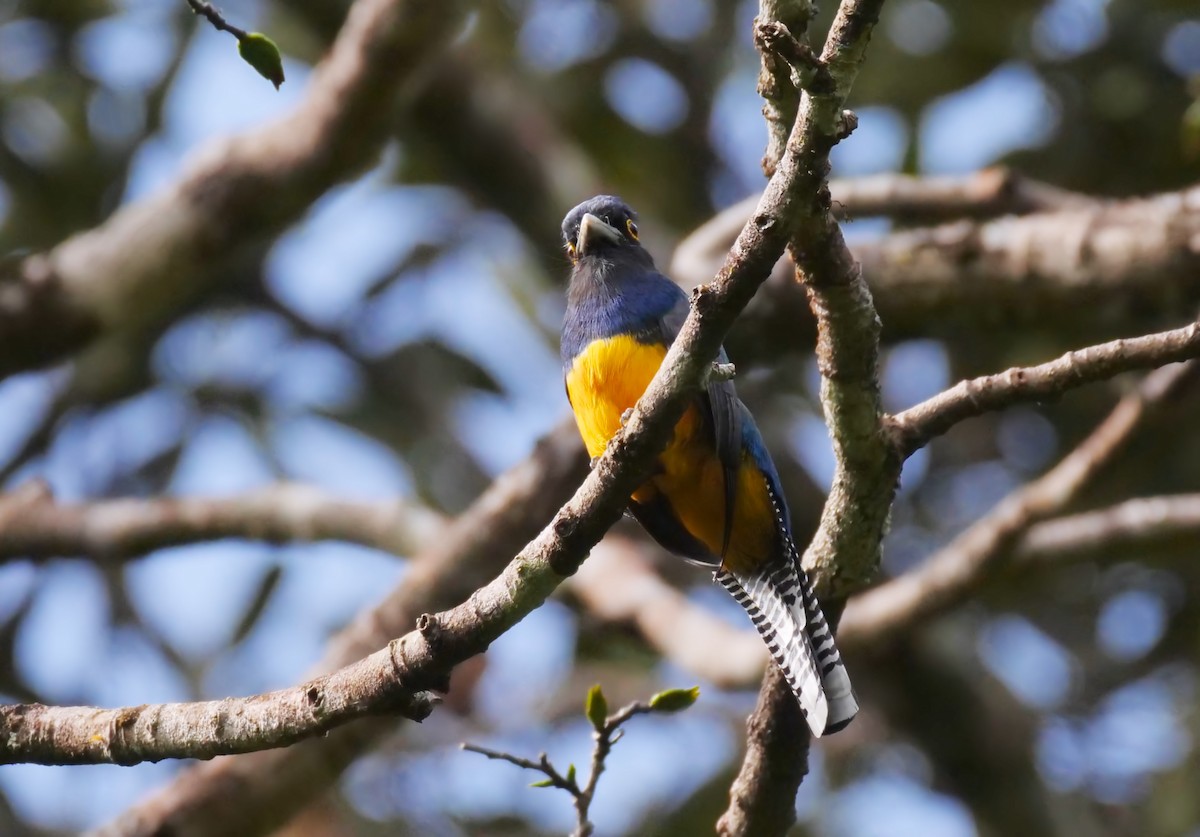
[1110,265]
[394,678]
[1135,525]
[762,798]
[32,525]
[846,546]
[254,794]
[959,568]
[916,426]
[113,278]
[218,21]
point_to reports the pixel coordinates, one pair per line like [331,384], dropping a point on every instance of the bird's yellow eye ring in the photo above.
[632,227]
[571,250]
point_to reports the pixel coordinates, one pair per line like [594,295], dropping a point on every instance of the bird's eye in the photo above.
[632,227]
[571,250]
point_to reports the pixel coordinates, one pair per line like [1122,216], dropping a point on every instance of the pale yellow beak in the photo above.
[593,230]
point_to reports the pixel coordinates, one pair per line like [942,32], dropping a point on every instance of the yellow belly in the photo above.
[604,381]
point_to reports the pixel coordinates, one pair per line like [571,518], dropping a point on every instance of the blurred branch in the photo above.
[620,586]
[32,525]
[1135,525]
[254,794]
[984,194]
[1109,264]
[916,426]
[976,554]
[235,192]
[987,193]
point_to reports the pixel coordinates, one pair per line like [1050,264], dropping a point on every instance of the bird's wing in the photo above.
[724,410]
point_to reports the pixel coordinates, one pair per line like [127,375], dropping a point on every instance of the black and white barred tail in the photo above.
[783,607]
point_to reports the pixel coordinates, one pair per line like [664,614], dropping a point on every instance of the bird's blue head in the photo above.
[603,226]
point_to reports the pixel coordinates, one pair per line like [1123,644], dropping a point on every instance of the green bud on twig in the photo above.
[596,707]
[260,52]
[674,700]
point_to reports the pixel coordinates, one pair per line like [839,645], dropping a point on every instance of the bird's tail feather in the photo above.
[783,607]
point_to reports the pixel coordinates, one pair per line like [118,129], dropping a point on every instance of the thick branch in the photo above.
[914,427]
[421,660]
[134,734]
[151,258]
[32,525]
[762,798]
[1111,266]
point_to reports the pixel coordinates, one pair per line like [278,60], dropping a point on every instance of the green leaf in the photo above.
[545,783]
[674,700]
[570,773]
[260,52]
[596,707]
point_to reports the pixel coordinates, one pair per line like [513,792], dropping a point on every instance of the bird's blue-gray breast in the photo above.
[626,302]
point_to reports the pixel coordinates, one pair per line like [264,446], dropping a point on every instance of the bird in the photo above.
[714,495]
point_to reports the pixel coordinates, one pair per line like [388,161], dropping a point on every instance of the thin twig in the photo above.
[603,739]
[542,765]
[211,13]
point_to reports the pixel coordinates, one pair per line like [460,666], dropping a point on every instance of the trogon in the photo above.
[714,496]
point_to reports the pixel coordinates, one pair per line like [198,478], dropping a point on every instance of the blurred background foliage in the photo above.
[402,341]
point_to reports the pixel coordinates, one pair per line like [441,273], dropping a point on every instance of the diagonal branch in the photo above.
[394,679]
[622,587]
